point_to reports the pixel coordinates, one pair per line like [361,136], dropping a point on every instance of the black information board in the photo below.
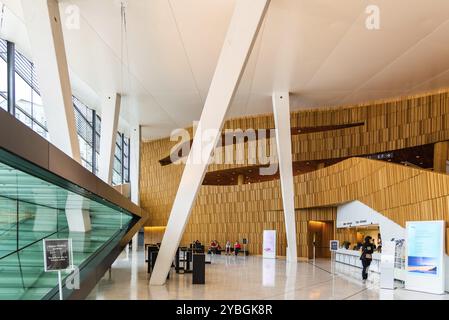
[334,245]
[57,254]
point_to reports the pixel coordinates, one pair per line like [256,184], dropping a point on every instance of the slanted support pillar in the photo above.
[281,110]
[238,44]
[43,23]
[110,111]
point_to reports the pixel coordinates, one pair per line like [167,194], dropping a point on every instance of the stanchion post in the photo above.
[60,285]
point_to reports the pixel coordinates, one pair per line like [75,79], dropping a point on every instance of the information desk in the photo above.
[352,258]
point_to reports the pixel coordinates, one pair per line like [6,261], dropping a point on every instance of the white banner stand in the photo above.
[387,265]
[269,244]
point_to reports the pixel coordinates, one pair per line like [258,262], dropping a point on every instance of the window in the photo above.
[3,76]
[84,126]
[120,173]
[30,111]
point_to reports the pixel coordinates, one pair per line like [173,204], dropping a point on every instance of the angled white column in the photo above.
[281,110]
[43,23]
[77,213]
[134,173]
[110,111]
[242,32]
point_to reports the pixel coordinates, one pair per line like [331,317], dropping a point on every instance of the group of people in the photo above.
[215,246]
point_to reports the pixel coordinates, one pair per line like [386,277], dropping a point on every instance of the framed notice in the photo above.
[269,244]
[425,256]
[58,254]
[334,244]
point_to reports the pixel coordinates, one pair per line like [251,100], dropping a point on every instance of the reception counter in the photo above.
[352,258]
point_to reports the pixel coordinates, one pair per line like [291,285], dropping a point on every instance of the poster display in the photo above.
[269,244]
[425,256]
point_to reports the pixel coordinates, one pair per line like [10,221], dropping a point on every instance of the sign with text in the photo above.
[57,254]
[425,256]
[334,244]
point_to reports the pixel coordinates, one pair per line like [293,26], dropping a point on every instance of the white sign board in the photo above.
[387,265]
[425,256]
[269,244]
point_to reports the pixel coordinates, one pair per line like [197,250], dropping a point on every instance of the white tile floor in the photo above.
[244,278]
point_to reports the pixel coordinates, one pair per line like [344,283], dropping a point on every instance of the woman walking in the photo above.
[367,256]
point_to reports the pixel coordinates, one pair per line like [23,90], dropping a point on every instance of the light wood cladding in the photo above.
[153,235]
[244,211]
[440,156]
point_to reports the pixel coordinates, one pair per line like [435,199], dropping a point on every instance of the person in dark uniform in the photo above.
[367,256]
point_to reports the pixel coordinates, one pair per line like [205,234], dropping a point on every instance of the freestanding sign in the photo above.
[269,244]
[334,244]
[387,265]
[58,256]
[425,256]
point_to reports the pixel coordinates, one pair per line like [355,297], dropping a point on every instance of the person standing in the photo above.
[228,247]
[367,256]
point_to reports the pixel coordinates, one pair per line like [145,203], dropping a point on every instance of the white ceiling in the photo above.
[319,50]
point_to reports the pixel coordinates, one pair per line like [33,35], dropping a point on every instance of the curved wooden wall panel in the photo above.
[401,193]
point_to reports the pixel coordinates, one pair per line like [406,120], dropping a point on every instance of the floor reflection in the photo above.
[252,277]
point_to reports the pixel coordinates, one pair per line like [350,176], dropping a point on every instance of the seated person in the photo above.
[213,247]
[218,245]
[237,247]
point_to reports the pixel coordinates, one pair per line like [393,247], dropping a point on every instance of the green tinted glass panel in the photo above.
[31,210]
[8,226]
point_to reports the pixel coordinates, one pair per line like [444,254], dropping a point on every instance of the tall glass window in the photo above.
[117,174]
[84,126]
[3,76]
[29,110]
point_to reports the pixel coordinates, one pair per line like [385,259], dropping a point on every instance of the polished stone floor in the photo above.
[245,278]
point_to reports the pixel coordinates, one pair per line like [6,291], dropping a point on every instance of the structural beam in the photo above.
[43,23]
[281,110]
[243,29]
[135,137]
[110,111]
[11,59]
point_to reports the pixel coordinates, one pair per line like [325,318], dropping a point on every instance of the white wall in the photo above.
[356,213]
